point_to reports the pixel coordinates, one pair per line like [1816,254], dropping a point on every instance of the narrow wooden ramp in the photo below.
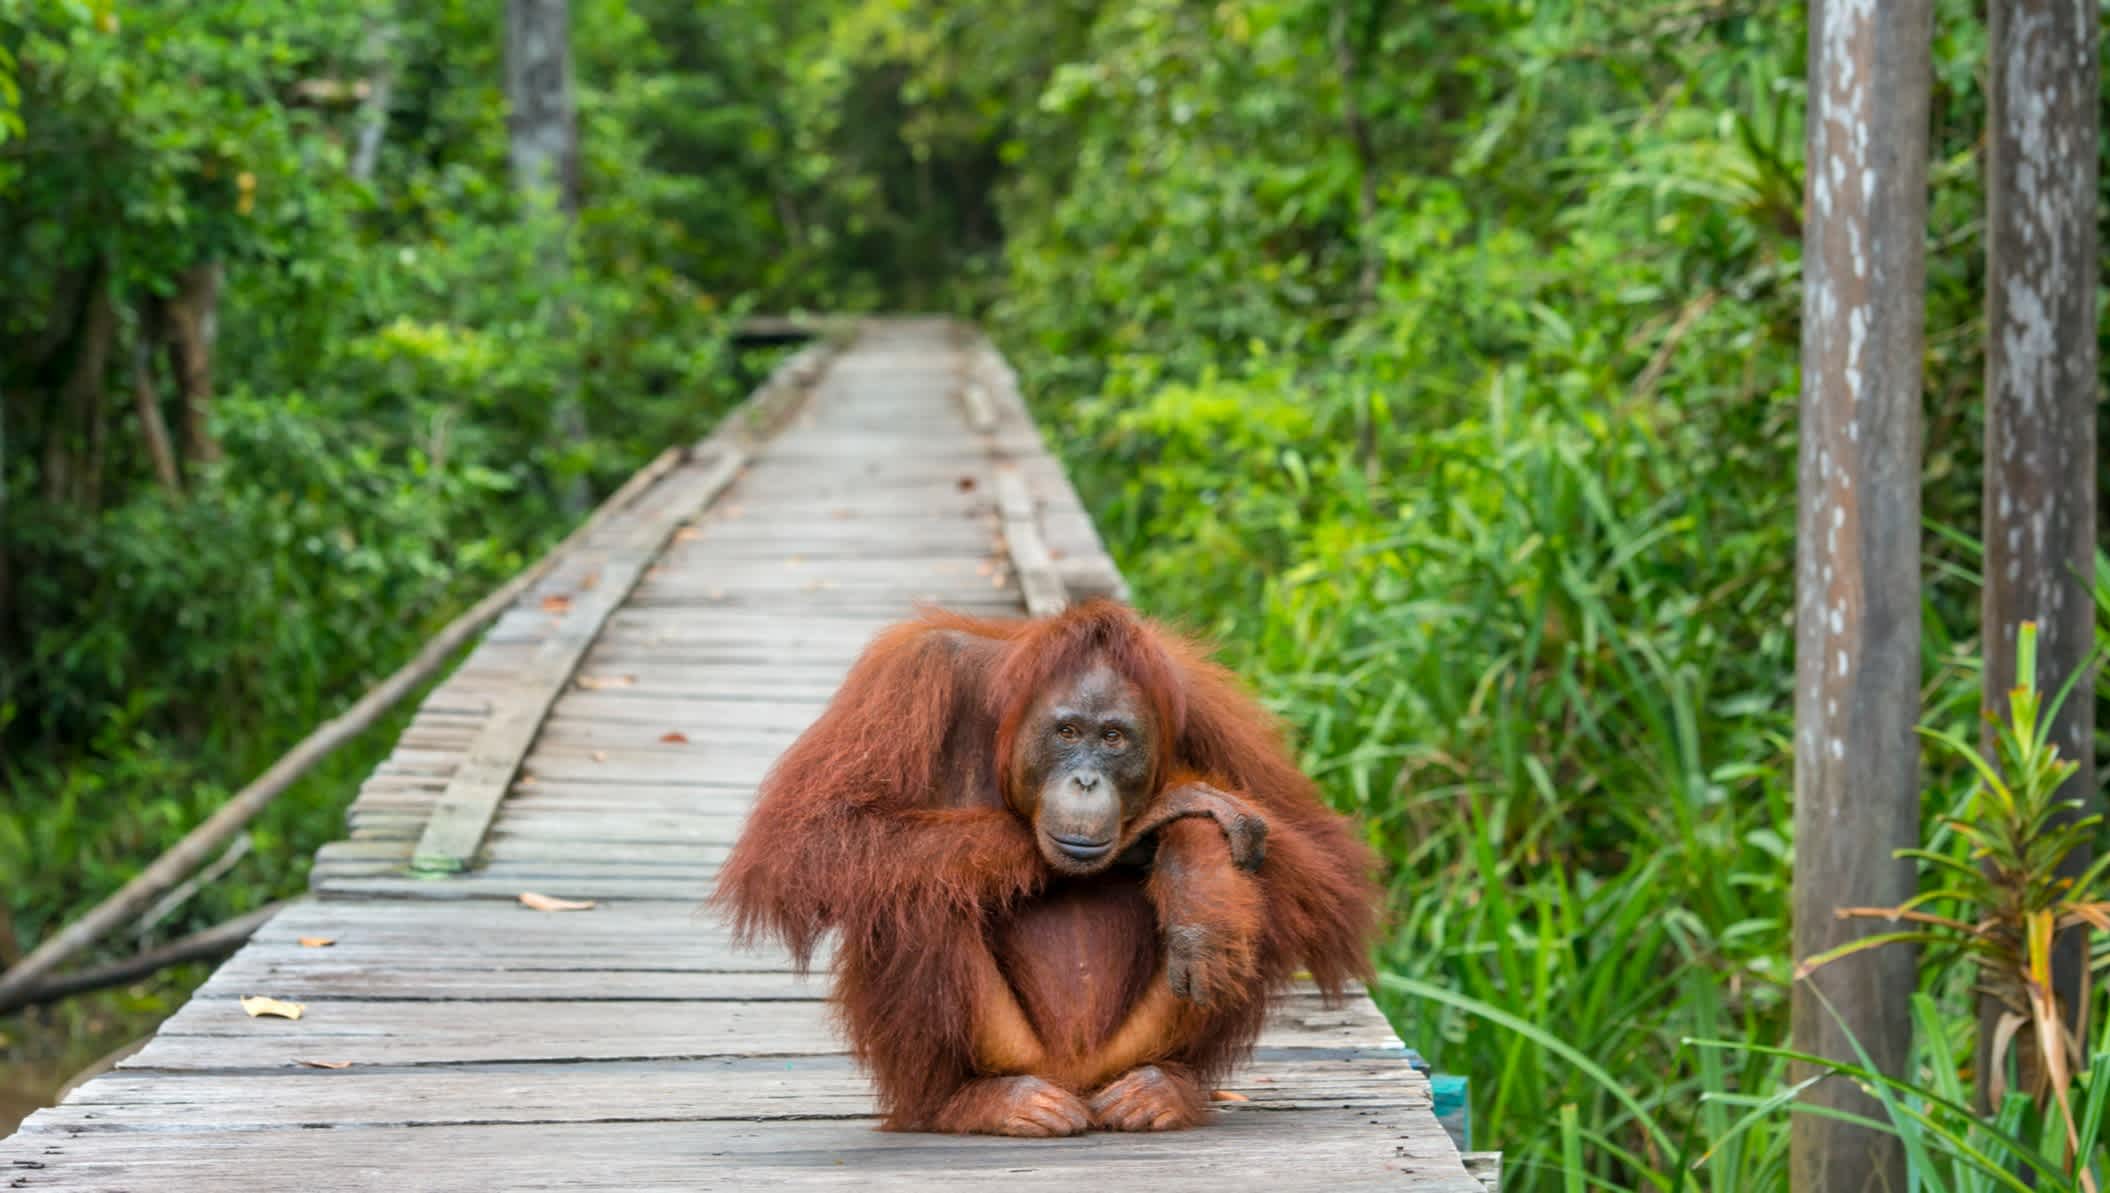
[455,1040]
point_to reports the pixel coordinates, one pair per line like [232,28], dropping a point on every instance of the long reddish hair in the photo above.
[1098,632]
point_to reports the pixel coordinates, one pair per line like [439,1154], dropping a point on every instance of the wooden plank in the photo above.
[810,445]
[628,705]
[463,814]
[974,397]
[215,1034]
[1037,576]
[394,883]
[312,981]
[635,1045]
[1333,1151]
[704,1090]
[465,810]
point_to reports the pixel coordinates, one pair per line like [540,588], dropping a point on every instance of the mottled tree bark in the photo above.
[544,148]
[79,405]
[2040,386]
[7,604]
[1857,623]
[146,401]
[89,392]
[372,125]
[194,318]
[541,121]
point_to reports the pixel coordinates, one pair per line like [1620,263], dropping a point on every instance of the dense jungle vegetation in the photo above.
[1439,360]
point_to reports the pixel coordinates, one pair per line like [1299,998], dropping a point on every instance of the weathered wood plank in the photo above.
[216,1034]
[629,705]
[635,1045]
[466,809]
[383,882]
[702,1090]
[1333,1150]
[1038,580]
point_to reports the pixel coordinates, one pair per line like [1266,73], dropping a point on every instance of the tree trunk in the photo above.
[68,478]
[53,473]
[544,135]
[541,121]
[93,379]
[67,306]
[7,593]
[1347,59]
[146,401]
[1857,623]
[2040,385]
[98,415]
[194,316]
[372,125]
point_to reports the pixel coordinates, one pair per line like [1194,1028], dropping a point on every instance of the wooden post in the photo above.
[1857,619]
[2040,385]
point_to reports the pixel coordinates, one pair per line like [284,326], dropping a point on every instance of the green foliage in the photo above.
[1508,544]
[2005,878]
[1507,538]
[390,356]
[1437,359]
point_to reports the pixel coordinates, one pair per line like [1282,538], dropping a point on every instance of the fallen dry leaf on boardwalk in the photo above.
[596,683]
[546,903]
[555,604]
[257,1005]
[325,1064]
[317,942]
[675,738]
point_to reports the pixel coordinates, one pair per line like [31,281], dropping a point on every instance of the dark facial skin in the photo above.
[1084,764]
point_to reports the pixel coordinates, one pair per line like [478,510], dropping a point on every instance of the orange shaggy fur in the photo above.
[890,824]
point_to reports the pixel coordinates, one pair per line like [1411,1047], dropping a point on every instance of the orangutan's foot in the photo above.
[1024,1106]
[1151,1098]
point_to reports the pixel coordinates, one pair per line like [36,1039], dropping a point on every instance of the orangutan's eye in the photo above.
[1067,733]
[1112,737]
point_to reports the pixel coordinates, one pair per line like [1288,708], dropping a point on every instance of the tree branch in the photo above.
[216,941]
[199,844]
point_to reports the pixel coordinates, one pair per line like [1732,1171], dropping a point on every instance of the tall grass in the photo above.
[1549,668]
[1549,671]
[1510,545]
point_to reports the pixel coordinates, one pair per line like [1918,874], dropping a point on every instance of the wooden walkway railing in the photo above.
[602,744]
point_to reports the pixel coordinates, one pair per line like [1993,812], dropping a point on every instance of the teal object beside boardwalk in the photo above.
[1453,1103]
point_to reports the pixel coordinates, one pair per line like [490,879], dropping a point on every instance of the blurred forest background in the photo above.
[1437,359]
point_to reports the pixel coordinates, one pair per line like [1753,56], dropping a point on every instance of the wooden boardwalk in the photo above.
[455,1040]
